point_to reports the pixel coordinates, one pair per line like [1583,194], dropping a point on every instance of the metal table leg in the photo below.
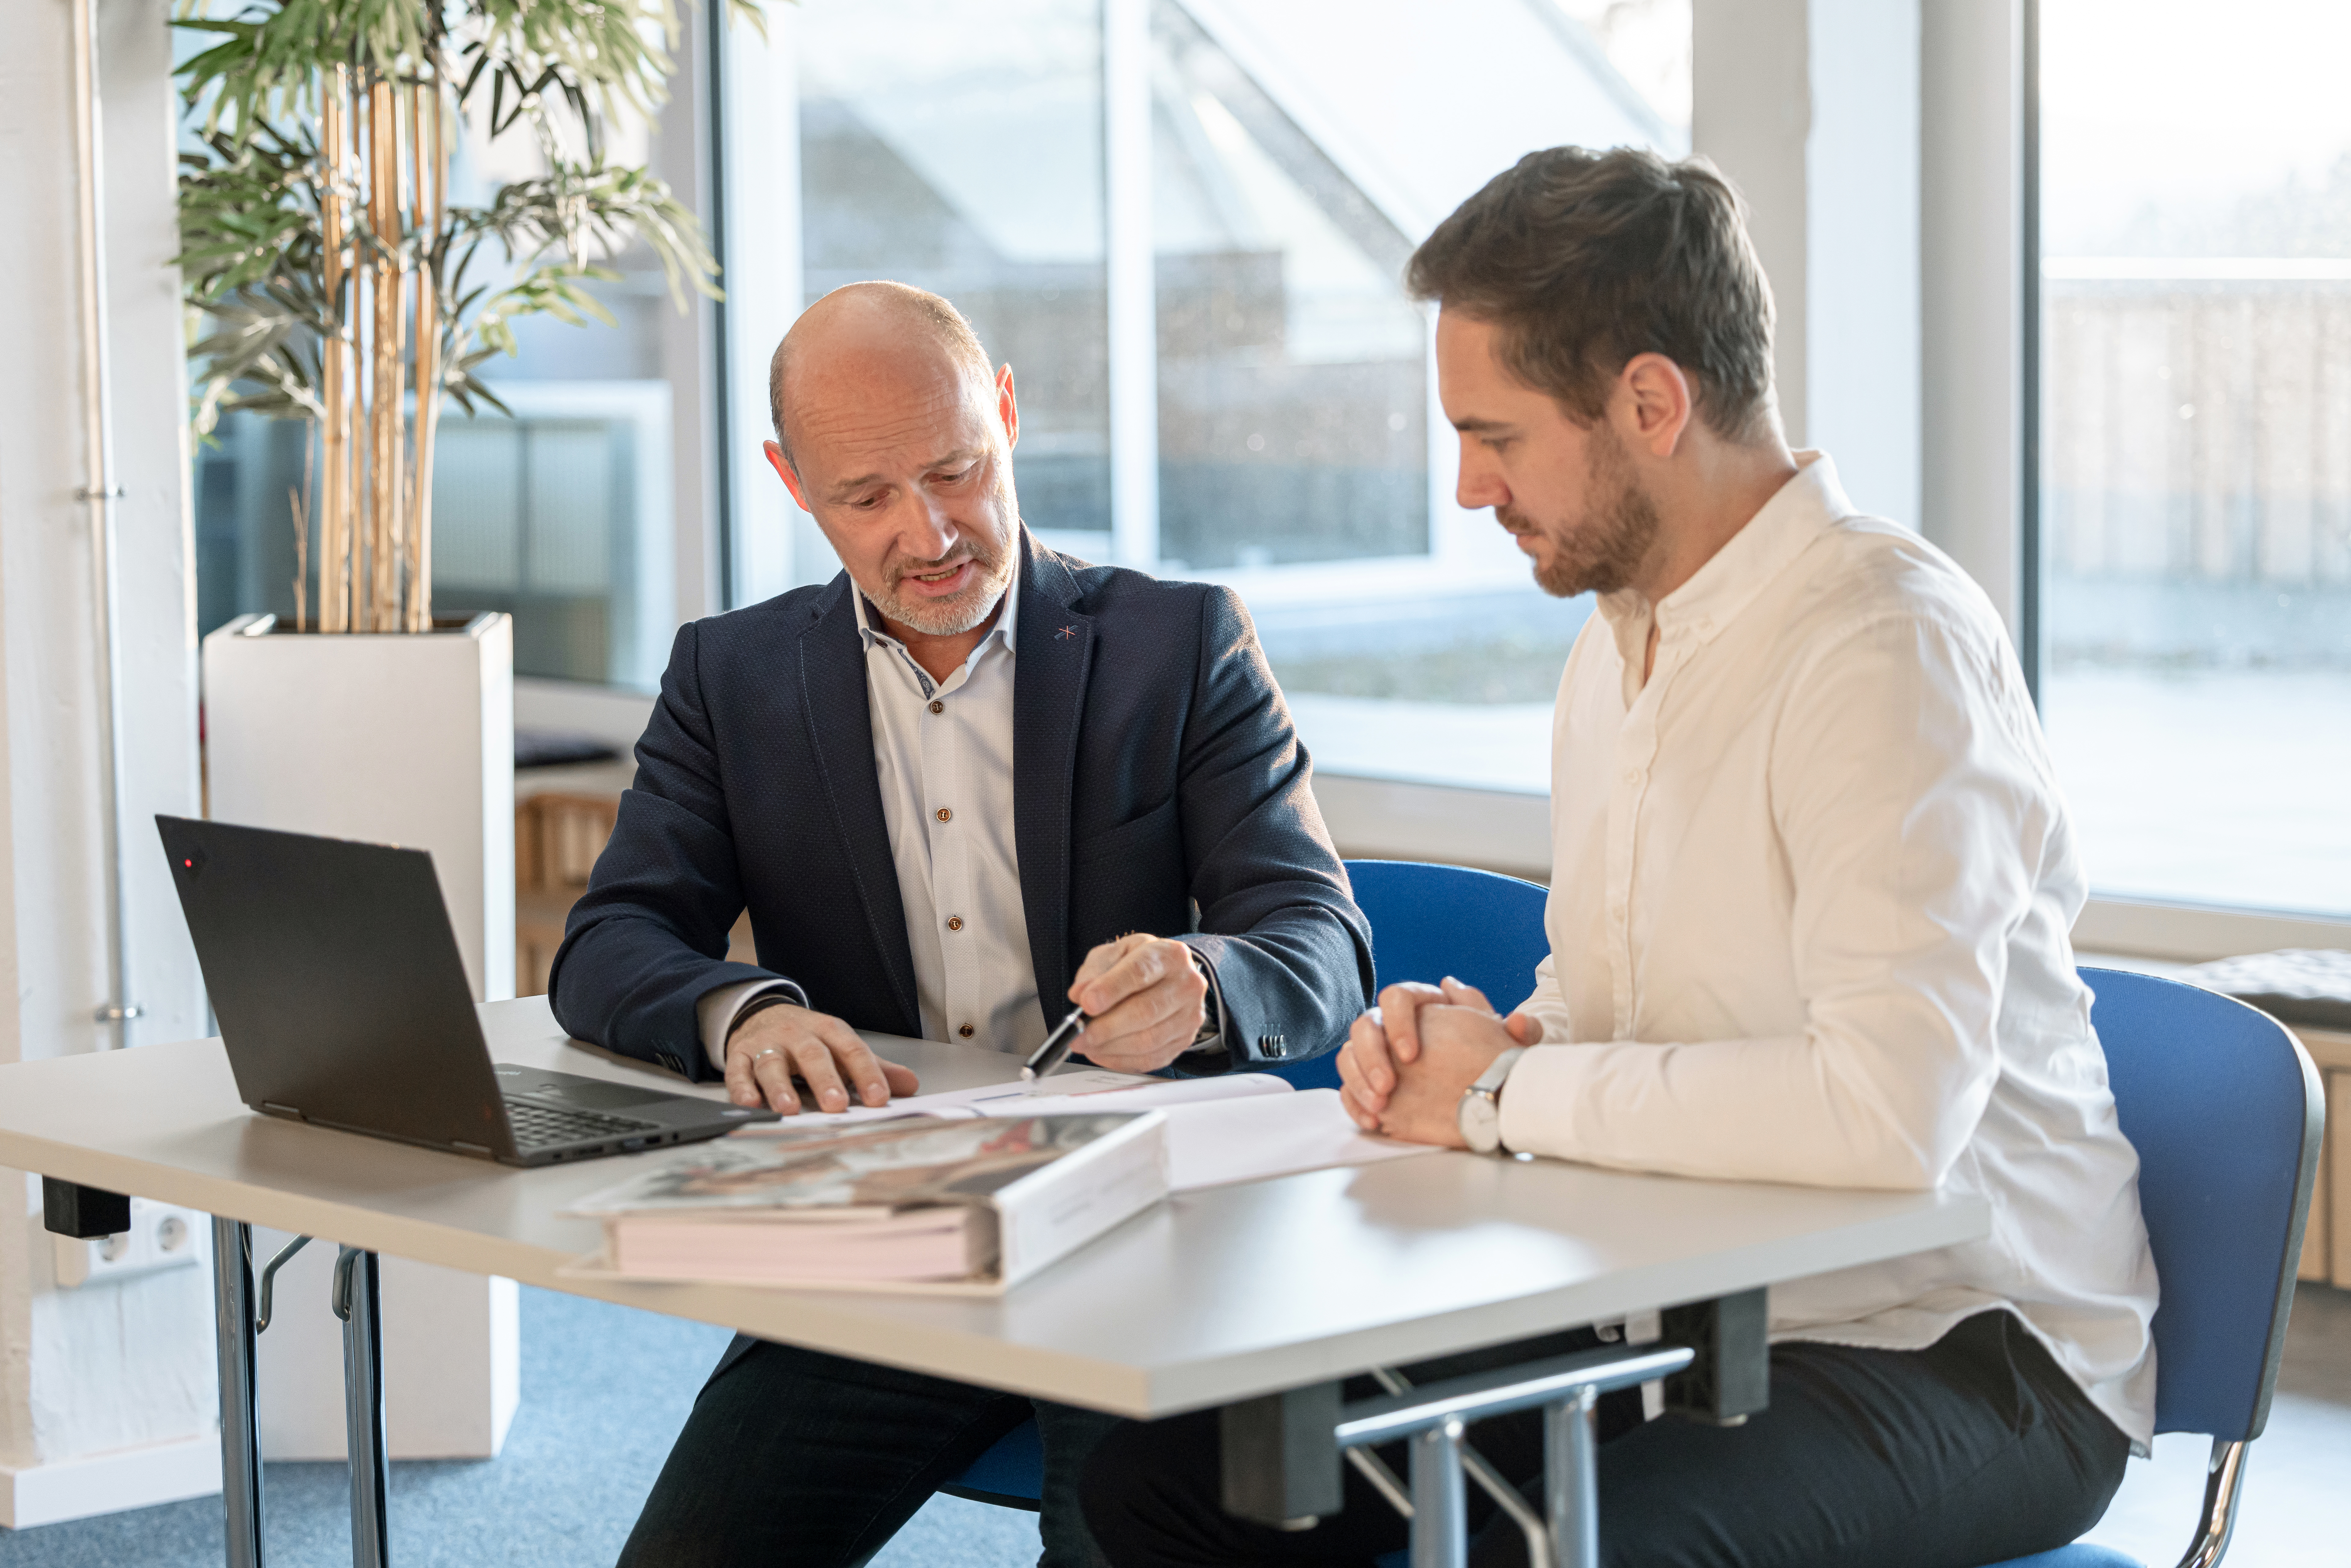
[240,1433]
[359,1302]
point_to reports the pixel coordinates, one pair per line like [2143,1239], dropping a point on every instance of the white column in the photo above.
[1971,265]
[681,155]
[1134,302]
[1811,108]
[106,1397]
[776,546]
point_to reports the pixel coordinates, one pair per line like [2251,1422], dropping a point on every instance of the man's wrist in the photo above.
[1478,1113]
[717,1012]
[756,1005]
[1210,1037]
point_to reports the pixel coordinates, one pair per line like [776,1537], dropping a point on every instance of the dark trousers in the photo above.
[1971,1451]
[793,1458]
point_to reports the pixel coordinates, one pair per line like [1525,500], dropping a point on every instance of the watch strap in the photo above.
[761,1004]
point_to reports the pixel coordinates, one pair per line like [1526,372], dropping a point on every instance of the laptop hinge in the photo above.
[275,1108]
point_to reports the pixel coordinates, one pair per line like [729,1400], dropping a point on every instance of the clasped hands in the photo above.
[1144,995]
[1408,1061]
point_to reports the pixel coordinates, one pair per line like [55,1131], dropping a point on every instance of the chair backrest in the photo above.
[1430,921]
[2225,1110]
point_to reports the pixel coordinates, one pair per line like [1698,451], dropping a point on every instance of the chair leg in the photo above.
[2222,1477]
[1441,1520]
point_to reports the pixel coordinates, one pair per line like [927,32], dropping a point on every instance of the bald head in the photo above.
[862,332]
[891,433]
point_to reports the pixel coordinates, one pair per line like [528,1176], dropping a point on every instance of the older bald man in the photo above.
[964,786]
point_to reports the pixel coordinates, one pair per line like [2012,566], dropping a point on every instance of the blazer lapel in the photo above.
[1054,648]
[840,735]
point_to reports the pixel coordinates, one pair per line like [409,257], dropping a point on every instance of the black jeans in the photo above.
[1971,1451]
[793,1458]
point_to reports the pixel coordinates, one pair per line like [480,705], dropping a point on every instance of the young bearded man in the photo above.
[1811,884]
[964,786]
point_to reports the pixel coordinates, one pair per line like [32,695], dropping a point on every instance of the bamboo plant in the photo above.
[336,281]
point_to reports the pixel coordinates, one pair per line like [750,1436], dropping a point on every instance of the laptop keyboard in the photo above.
[538,1125]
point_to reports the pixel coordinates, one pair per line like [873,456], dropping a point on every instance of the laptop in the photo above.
[343,1002]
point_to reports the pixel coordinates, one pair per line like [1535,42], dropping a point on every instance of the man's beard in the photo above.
[1619,528]
[953,616]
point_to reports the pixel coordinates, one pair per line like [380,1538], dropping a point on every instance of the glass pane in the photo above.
[1292,387]
[1295,395]
[962,153]
[2197,472]
[538,516]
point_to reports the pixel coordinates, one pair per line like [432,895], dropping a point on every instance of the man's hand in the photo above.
[1402,1070]
[1147,1000]
[776,1043]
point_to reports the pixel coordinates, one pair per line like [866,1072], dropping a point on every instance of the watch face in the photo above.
[1481,1121]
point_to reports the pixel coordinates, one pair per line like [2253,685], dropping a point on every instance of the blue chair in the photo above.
[2225,1110]
[1427,922]
[1431,921]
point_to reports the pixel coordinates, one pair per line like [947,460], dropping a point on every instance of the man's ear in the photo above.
[1007,408]
[1654,402]
[783,467]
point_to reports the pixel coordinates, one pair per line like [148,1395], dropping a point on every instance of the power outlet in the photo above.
[161,1237]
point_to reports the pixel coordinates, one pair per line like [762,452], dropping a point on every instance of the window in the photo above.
[965,156]
[2196,447]
[1243,184]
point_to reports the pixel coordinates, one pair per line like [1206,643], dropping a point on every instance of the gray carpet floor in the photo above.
[605,1390]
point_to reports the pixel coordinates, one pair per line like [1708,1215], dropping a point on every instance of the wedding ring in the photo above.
[753,1060]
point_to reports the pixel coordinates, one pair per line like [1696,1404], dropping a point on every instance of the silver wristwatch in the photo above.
[1480,1112]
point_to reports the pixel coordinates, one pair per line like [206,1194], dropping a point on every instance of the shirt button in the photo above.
[964,1031]
[938,708]
[955,921]
[944,815]
[1632,776]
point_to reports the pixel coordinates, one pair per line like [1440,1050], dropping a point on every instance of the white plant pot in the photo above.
[406,740]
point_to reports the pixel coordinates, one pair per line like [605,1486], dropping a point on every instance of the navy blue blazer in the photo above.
[1158,786]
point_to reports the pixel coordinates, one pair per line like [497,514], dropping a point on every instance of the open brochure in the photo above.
[968,1201]
[1241,1126]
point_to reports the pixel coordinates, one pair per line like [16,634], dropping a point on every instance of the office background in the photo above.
[2094,339]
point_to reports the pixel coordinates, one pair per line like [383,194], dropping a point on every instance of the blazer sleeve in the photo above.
[648,939]
[1277,922]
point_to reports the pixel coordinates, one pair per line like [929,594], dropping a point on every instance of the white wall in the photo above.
[125,1366]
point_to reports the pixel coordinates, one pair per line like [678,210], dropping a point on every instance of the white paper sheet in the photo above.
[1083,1089]
[1218,1142]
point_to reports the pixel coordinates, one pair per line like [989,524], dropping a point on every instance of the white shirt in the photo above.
[942,755]
[1811,886]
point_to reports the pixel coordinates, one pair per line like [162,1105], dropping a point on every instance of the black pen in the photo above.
[1055,1051]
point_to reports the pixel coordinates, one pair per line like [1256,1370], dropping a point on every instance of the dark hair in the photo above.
[1585,259]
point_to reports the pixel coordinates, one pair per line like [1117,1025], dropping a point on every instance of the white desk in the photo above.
[1213,1298]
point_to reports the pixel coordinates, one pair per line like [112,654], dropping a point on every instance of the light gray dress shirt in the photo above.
[943,755]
